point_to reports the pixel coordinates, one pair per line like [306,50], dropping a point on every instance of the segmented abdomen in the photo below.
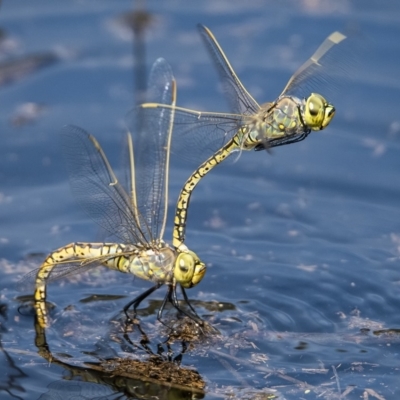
[146,263]
[190,184]
[83,253]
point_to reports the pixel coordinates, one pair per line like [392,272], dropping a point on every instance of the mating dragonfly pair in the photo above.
[137,216]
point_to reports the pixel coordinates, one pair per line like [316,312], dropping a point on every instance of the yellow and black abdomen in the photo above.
[154,265]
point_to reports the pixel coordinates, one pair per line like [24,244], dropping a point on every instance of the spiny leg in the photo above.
[161,350]
[175,303]
[137,300]
[178,359]
[188,302]
[168,297]
[144,340]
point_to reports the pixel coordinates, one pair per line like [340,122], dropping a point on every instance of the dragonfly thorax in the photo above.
[155,264]
[276,121]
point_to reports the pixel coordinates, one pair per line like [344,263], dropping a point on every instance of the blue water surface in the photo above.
[302,245]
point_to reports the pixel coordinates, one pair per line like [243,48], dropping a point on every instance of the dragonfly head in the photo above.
[189,270]
[318,113]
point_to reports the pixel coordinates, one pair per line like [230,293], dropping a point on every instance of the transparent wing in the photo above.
[129,171]
[64,269]
[240,100]
[196,135]
[151,147]
[59,271]
[326,70]
[96,187]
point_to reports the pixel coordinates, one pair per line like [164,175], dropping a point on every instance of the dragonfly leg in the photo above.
[144,341]
[175,303]
[168,297]
[137,300]
[188,302]
[178,359]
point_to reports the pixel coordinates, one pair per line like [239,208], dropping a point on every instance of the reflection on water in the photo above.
[11,376]
[142,361]
[138,21]
[14,70]
[151,375]
[302,246]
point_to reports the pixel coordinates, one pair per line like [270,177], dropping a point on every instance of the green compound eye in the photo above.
[318,113]
[189,270]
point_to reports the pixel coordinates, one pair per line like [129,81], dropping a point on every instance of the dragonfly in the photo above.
[295,113]
[136,217]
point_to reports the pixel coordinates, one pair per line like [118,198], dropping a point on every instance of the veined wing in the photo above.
[326,70]
[96,187]
[150,152]
[240,100]
[61,270]
[196,135]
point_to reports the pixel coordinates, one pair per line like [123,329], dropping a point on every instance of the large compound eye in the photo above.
[329,114]
[189,270]
[314,106]
[184,269]
[318,113]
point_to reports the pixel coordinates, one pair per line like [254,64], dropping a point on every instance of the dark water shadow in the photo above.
[150,361]
[10,374]
[149,375]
